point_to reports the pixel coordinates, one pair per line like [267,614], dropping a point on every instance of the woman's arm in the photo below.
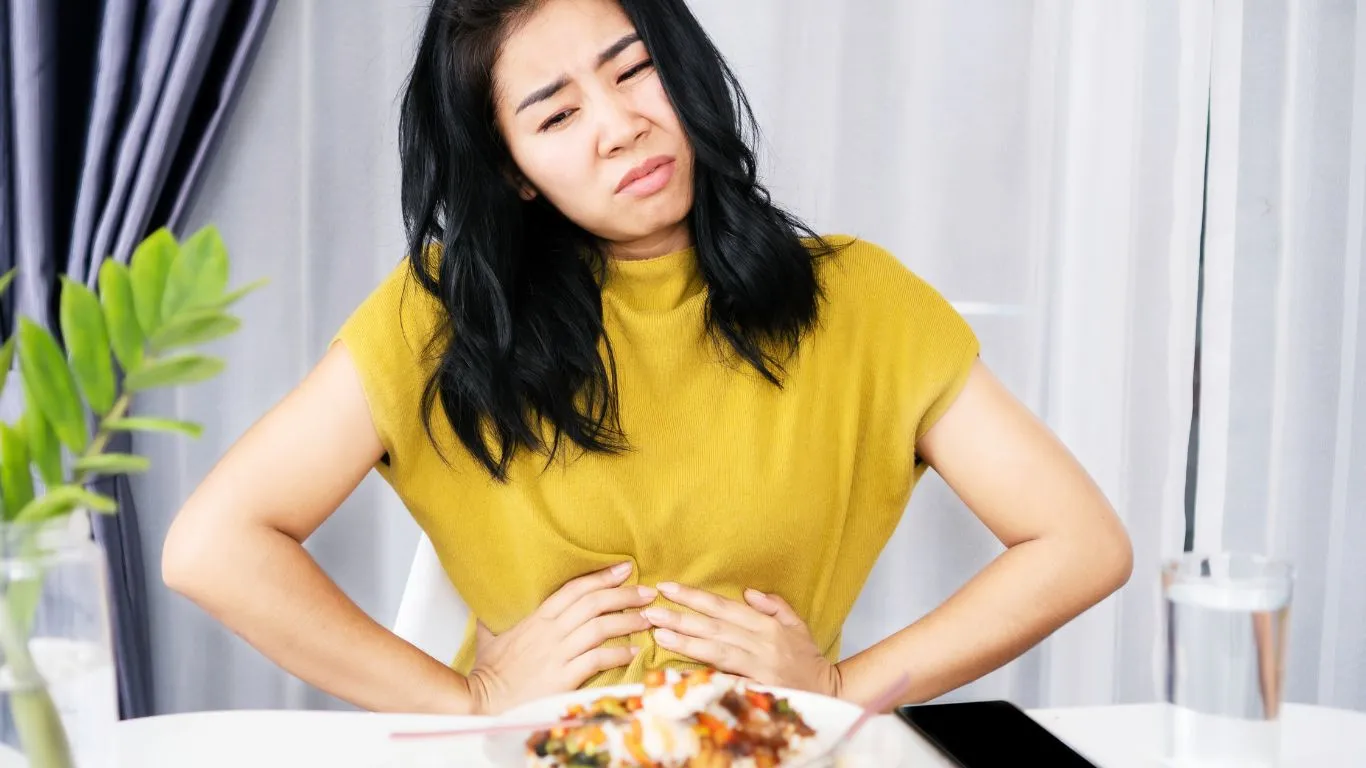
[1066,548]
[236,549]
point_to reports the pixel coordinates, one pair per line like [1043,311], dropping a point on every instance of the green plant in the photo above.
[146,316]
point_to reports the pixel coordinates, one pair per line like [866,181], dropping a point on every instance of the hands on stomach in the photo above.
[560,645]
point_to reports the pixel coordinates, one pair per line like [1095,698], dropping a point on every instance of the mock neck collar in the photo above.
[657,284]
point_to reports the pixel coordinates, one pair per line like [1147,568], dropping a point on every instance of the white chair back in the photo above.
[431,614]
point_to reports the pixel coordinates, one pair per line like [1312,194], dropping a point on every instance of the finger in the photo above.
[575,589]
[694,625]
[715,606]
[723,656]
[601,629]
[775,606]
[483,636]
[601,602]
[587,664]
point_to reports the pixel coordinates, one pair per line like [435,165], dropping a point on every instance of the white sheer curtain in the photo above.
[1282,444]
[1043,166]
[1040,162]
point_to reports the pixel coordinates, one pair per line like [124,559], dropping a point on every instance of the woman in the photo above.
[646,417]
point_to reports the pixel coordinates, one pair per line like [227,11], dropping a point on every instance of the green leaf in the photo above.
[174,371]
[7,278]
[45,372]
[198,275]
[87,345]
[63,499]
[193,328]
[113,463]
[43,447]
[151,424]
[15,477]
[120,314]
[228,299]
[149,268]
[6,361]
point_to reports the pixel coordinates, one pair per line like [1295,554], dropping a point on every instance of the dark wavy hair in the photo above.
[519,362]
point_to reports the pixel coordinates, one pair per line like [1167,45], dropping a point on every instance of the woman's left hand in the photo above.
[762,639]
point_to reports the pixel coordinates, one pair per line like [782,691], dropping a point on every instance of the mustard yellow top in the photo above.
[730,482]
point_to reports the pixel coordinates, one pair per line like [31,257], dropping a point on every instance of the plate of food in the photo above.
[694,719]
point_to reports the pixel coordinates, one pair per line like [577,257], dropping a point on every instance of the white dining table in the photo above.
[1125,736]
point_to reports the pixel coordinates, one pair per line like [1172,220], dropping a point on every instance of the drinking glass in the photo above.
[1226,621]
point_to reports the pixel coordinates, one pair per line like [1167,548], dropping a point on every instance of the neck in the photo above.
[675,238]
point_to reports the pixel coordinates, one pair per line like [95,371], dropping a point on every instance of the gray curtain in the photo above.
[109,111]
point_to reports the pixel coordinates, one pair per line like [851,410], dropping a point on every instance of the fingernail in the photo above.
[621,569]
[668,587]
[647,593]
[666,638]
[754,594]
[635,651]
[655,615]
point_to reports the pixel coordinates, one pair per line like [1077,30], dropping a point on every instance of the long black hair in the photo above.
[519,365]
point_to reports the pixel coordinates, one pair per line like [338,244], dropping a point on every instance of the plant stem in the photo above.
[103,434]
[36,718]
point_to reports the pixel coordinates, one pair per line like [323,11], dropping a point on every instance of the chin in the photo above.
[662,212]
[639,219]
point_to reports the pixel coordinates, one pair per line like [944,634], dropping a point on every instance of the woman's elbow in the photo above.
[187,555]
[1123,563]
[1098,558]
[1114,555]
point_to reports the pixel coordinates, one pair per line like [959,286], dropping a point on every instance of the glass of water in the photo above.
[1227,617]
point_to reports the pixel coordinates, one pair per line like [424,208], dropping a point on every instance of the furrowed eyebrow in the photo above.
[611,52]
[543,93]
[614,50]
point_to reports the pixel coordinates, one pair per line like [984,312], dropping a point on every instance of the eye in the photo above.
[555,120]
[636,70]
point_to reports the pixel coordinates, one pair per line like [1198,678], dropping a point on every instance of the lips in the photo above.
[643,170]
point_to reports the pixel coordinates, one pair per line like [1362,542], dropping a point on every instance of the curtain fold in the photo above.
[115,49]
[239,39]
[184,67]
[154,45]
[7,211]
[32,98]
[91,139]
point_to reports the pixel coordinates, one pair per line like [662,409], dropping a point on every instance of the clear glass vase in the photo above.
[58,695]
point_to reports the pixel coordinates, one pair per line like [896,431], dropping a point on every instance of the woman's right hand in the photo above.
[559,646]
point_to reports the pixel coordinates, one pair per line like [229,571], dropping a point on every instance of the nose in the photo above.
[620,126]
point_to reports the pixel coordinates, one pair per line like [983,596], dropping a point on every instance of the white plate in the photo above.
[827,717]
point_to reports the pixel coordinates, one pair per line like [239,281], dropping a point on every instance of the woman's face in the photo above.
[588,124]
